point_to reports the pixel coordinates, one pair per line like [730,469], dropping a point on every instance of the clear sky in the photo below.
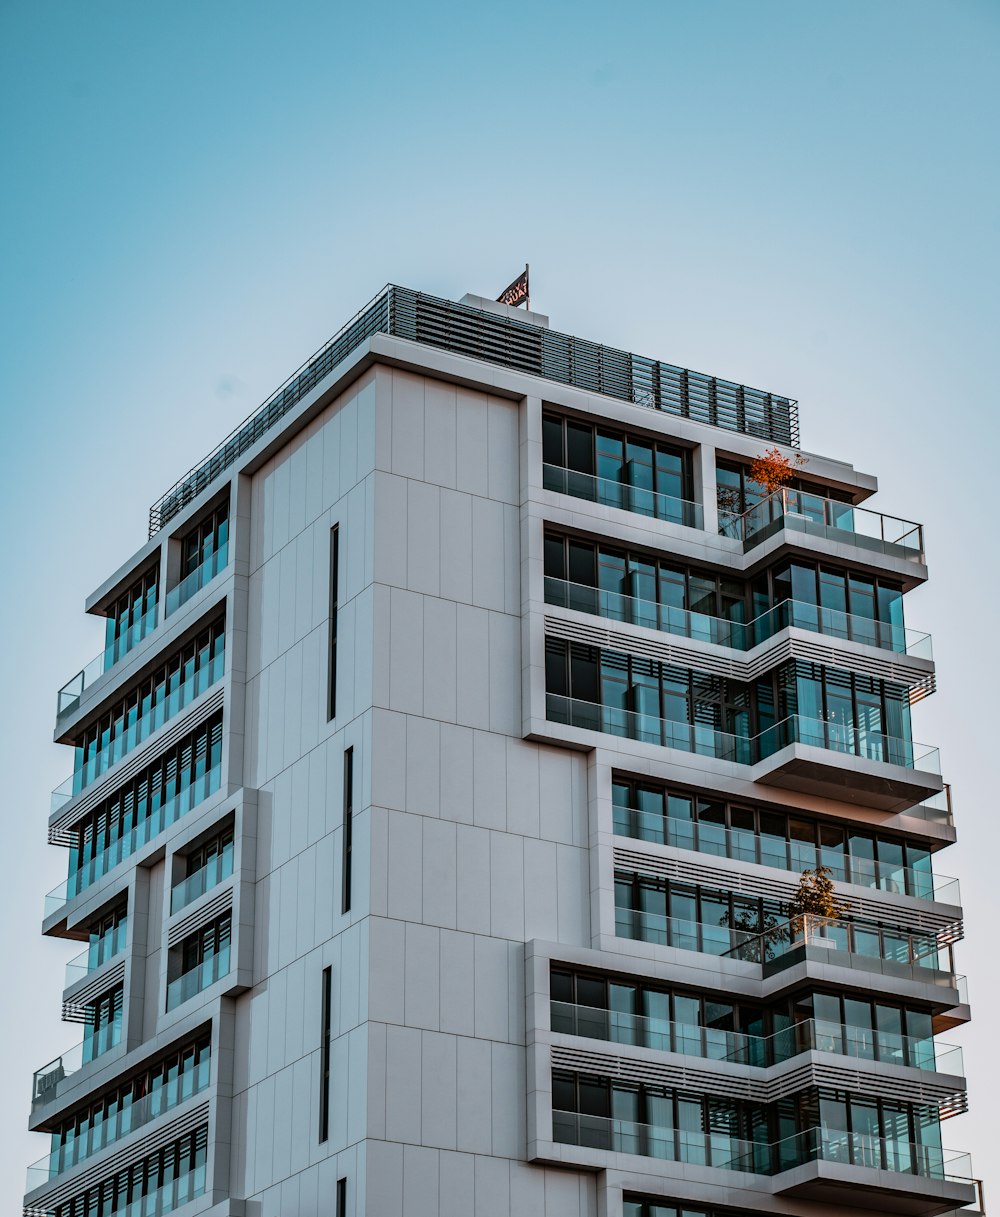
[800,196]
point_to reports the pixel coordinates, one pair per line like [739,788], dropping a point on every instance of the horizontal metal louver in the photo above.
[945,927]
[207,913]
[60,830]
[722,661]
[109,1166]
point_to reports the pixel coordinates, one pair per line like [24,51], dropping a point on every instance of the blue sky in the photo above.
[802,197]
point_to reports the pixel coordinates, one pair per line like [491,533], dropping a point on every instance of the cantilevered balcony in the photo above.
[71,692]
[637,499]
[714,1044]
[159,818]
[812,755]
[921,1179]
[139,729]
[49,1081]
[801,511]
[741,636]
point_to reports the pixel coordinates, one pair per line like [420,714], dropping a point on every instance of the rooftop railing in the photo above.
[820,516]
[723,631]
[704,740]
[73,689]
[743,845]
[608,493]
[716,1044]
[511,343]
[720,1150]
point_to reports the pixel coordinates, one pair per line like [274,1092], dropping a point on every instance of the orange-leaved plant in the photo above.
[772,470]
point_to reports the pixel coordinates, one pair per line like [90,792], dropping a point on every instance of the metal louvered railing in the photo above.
[511,343]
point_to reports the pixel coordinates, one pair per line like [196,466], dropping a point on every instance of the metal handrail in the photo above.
[510,342]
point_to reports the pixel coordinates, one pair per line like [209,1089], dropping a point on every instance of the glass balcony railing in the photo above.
[742,636]
[936,809]
[855,741]
[48,1081]
[743,845]
[94,957]
[704,740]
[128,1116]
[139,730]
[199,578]
[163,816]
[688,737]
[72,690]
[707,938]
[215,871]
[906,952]
[715,1044]
[636,499]
[206,973]
[720,1150]
[820,516]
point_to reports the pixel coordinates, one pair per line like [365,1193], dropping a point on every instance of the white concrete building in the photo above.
[462,732]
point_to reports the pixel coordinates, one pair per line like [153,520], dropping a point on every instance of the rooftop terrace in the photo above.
[511,343]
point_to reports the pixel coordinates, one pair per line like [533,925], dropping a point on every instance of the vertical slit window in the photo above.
[341,1198]
[325,1016]
[334,579]
[348,829]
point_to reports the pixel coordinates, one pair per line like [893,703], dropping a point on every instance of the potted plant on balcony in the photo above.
[814,904]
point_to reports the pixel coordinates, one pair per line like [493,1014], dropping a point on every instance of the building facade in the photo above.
[460,738]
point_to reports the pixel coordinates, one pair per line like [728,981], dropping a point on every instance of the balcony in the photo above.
[94,957]
[160,818]
[200,577]
[198,978]
[608,493]
[818,516]
[864,946]
[49,1081]
[746,846]
[812,755]
[215,871]
[836,760]
[121,1119]
[71,692]
[710,1043]
[741,636]
[904,1165]
[139,730]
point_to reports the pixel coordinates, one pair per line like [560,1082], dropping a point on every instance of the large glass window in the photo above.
[132,616]
[200,960]
[618,469]
[188,672]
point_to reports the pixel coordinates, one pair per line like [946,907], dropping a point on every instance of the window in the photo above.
[207,542]
[104,1023]
[616,469]
[200,960]
[341,1198]
[157,1184]
[132,616]
[122,1110]
[137,811]
[205,866]
[331,712]
[107,937]
[347,830]
[326,1013]
[186,674]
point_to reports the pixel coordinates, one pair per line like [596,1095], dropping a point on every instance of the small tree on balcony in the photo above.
[814,897]
[773,470]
